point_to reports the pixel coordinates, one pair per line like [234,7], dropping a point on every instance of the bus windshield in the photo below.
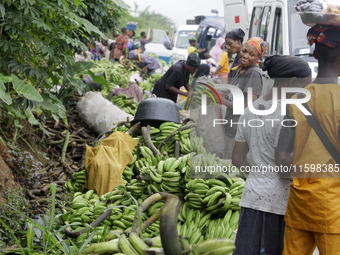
[183,38]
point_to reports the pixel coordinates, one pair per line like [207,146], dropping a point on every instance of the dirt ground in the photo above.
[7,179]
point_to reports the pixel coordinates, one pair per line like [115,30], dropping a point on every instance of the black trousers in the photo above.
[259,233]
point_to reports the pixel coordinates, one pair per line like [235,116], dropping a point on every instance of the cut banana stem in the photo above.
[134,128]
[168,226]
[147,140]
[177,149]
[145,205]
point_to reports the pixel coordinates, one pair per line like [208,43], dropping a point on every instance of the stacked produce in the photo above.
[78,182]
[134,245]
[148,83]
[125,103]
[210,207]
[87,207]
[119,74]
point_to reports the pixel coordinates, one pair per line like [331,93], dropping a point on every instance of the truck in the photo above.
[277,23]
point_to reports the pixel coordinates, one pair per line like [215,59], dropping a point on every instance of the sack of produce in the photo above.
[99,113]
[312,12]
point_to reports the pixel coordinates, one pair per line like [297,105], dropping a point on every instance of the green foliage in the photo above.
[38,40]
[11,218]
[104,14]
[147,20]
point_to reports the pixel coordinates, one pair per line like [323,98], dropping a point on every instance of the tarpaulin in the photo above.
[105,164]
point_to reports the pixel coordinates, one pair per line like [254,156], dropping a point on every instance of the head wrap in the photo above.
[134,55]
[326,35]
[193,60]
[259,44]
[279,66]
[216,51]
[235,34]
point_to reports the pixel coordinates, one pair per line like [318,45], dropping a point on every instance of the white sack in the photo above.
[99,113]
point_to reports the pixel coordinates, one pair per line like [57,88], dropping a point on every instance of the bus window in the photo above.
[255,19]
[199,34]
[263,29]
[277,38]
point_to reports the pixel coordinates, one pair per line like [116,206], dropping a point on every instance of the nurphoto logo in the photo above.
[238,102]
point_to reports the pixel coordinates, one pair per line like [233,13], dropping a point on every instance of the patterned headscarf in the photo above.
[134,55]
[326,35]
[259,44]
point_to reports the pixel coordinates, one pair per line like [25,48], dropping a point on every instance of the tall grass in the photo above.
[51,240]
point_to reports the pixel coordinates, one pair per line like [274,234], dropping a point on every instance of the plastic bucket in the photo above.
[131,26]
[155,111]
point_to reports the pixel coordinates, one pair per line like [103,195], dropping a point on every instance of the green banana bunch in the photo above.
[215,246]
[121,129]
[78,184]
[125,103]
[200,90]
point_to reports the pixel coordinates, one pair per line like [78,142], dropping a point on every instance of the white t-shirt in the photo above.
[263,191]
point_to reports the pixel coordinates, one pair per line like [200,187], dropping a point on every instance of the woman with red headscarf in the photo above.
[247,74]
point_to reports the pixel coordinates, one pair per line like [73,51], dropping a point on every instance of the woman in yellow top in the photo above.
[223,67]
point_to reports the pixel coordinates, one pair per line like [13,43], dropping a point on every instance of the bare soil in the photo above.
[7,178]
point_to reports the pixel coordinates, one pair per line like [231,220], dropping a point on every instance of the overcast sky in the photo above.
[179,10]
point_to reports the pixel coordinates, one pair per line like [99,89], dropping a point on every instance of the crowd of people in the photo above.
[281,213]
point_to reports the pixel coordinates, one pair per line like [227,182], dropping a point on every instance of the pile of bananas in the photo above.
[167,128]
[87,207]
[78,183]
[125,103]
[214,246]
[199,225]
[147,84]
[210,208]
[167,176]
[114,76]
[133,245]
[214,195]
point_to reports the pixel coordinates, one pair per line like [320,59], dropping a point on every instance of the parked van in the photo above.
[277,23]
[180,42]
[156,45]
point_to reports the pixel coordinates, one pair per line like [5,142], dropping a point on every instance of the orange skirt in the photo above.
[223,75]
